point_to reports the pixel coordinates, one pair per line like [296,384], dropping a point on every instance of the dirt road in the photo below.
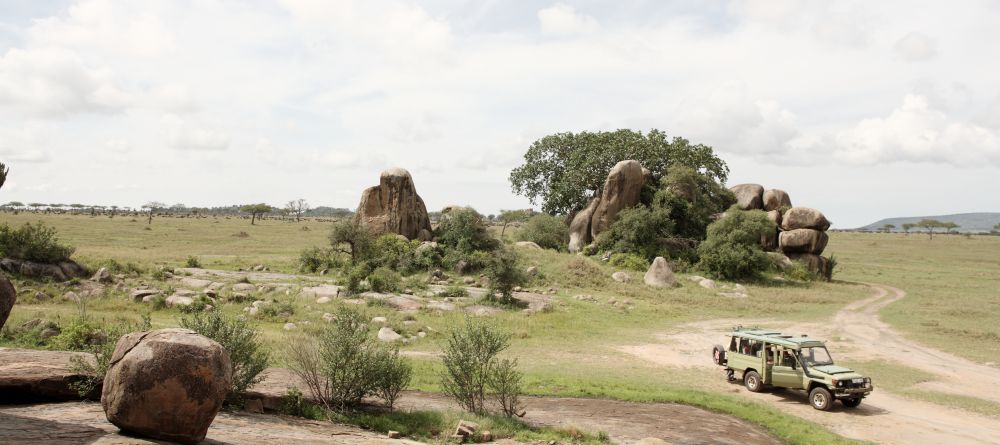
[855,332]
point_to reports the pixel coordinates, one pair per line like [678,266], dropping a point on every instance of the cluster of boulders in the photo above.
[801,231]
[621,190]
[394,206]
[61,271]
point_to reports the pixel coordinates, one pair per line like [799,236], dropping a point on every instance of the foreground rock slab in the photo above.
[8,295]
[27,375]
[83,423]
[166,384]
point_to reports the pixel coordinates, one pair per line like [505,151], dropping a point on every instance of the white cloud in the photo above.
[563,20]
[183,135]
[915,47]
[55,82]
[916,132]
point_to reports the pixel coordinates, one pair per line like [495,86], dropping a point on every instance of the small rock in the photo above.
[49,333]
[386,334]
[620,276]
[708,284]
[253,311]
[322,300]
[179,300]
[469,280]
[486,436]
[289,326]
[102,275]
[533,270]
[696,278]
[42,297]
[421,334]
[381,320]
[517,289]
[328,317]
[394,435]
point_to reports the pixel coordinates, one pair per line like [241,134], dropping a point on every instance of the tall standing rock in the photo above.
[621,191]
[660,274]
[579,227]
[749,196]
[166,384]
[776,199]
[8,295]
[394,206]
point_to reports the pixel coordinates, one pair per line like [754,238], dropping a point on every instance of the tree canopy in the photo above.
[255,210]
[562,171]
[3,173]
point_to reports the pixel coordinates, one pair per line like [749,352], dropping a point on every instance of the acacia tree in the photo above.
[907,227]
[297,207]
[508,217]
[256,211]
[930,225]
[950,226]
[888,227]
[564,170]
[152,206]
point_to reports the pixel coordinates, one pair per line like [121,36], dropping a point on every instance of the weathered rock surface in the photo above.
[59,272]
[660,274]
[621,191]
[28,375]
[166,384]
[102,275]
[620,276]
[579,227]
[324,290]
[775,217]
[394,206]
[776,199]
[196,283]
[815,263]
[8,296]
[804,218]
[803,241]
[388,335]
[141,294]
[528,245]
[749,196]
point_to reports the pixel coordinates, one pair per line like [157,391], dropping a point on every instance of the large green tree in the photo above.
[562,171]
[256,211]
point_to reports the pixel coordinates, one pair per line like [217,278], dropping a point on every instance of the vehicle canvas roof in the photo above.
[776,337]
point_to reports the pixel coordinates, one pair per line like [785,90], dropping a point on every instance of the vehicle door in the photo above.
[786,372]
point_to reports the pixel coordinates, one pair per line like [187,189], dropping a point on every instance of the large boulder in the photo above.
[30,376]
[815,263]
[775,217]
[660,274]
[579,227]
[803,241]
[804,218]
[776,199]
[8,295]
[621,191]
[394,206]
[166,384]
[749,196]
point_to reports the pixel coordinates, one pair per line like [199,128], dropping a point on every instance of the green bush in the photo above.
[100,342]
[276,310]
[355,276]
[504,274]
[384,280]
[640,230]
[732,250]
[454,291]
[36,243]
[315,259]
[473,371]
[345,363]
[244,344]
[629,261]
[193,262]
[462,229]
[199,304]
[547,231]
[352,239]
[116,268]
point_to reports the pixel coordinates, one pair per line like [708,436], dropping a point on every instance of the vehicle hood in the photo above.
[833,369]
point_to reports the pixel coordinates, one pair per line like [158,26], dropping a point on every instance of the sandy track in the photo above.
[857,333]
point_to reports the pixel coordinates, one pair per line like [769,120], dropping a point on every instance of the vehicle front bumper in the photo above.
[852,392]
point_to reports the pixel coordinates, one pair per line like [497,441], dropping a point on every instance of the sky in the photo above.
[861,109]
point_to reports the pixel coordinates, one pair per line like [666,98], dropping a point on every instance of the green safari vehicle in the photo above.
[761,357]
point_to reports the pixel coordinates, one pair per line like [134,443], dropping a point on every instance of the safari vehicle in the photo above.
[761,357]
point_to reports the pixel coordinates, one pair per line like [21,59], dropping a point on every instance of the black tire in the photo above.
[820,398]
[753,381]
[719,355]
[851,403]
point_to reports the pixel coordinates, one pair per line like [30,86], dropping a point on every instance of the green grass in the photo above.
[951,283]
[902,380]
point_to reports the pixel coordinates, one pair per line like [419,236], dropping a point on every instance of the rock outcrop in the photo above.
[660,274]
[804,218]
[803,241]
[394,206]
[776,199]
[166,384]
[620,191]
[28,375]
[8,295]
[61,271]
[749,196]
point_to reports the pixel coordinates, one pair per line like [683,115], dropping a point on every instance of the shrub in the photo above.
[504,275]
[162,273]
[472,367]
[639,230]
[116,268]
[243,343]
[355,276]
[277,309]
[347,364]
[549,232]
[396,253]
[101,352]
[413,283]
[384,280]
[732,250]
[357,239]
[462,229]
[454,291]
[505,383]
[36,243]
[315,259]
[192,261]
[629,261]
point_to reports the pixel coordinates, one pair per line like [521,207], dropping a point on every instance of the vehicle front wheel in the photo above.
[851,403]
[820,398]
[753,382]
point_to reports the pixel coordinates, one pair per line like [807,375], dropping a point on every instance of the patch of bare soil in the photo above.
[856,332]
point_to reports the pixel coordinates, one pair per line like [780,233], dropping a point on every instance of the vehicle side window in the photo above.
[732,344]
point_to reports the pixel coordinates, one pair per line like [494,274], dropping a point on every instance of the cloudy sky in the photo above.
[861,109]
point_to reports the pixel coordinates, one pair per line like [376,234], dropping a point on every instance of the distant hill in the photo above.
[968,222]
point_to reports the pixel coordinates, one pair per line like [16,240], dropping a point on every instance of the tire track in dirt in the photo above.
[857,331]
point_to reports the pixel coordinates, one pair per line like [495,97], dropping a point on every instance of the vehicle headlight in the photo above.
[837,382]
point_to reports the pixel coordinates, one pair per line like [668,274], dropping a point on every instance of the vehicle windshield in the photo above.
[816,356]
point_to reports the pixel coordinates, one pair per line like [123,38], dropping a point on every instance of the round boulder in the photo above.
[8,295]
[660,274]
[803,241]
[775,199]
[166,384]
[749,196]
[804,218]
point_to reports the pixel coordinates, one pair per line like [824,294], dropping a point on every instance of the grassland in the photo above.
[571,351]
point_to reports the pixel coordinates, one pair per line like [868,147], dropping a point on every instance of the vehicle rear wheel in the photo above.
[719,355]
[851,403]
[820,398]
[753,382]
